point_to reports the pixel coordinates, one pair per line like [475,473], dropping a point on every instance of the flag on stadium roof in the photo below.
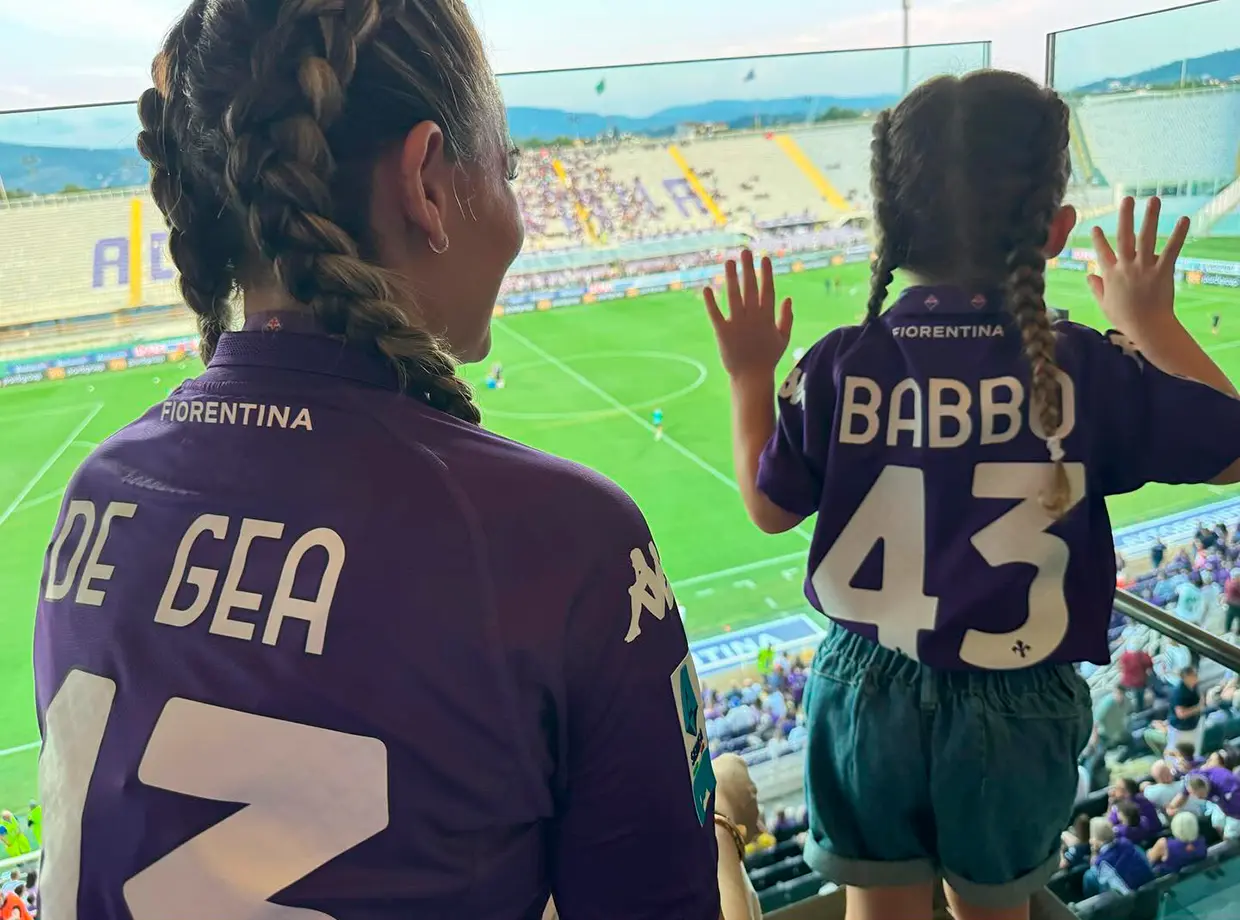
[751,76]
[601,88]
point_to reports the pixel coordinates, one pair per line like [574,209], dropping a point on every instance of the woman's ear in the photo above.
[426,182]
[1062,225]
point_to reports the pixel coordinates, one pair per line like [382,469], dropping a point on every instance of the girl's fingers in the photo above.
[1102,246]
[768,284]
[712,309]
[734,288]
[1147,245]
[750,280]
[784,323]
[1125,238]
[1096,287]
[1175,243]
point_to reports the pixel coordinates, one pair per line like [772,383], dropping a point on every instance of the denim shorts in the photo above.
[913,774]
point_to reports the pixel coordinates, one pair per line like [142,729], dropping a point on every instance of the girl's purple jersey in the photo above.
[306,648]
[911,438]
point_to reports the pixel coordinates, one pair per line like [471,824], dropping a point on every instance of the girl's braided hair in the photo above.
[968,174]
[264,120]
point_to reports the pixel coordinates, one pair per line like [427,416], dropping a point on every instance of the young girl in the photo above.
[957,450]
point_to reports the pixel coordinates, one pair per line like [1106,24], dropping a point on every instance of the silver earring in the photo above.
[438,250]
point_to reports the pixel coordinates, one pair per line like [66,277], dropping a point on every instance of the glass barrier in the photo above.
[1155,109]
[633,183]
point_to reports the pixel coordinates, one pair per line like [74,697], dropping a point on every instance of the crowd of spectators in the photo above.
[1161,816]
[1199,582]
[1158,827]
[20,837]
[555,206]
[786,241]
[759,718]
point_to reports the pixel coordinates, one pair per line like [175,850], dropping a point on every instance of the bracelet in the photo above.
[726,824]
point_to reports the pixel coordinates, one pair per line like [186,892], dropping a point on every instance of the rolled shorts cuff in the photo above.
[1009,894]
[862,873]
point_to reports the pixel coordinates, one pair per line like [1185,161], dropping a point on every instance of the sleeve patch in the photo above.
[687,693]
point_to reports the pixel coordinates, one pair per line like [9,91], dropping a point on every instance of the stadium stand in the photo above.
[842,153]
[1136,139]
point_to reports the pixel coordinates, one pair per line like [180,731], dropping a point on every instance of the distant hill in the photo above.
[548,124]
[45,170]
[1221,65]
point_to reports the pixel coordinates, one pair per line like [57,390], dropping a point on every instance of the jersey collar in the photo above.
[293,340]
[937,300]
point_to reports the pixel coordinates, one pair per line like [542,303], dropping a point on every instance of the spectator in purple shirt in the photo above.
[1219,787]
[1118,865]
[1147,826]
[1185,846]
[956,452]
[256,593]
[1125,818]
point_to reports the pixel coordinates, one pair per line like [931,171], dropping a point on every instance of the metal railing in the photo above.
[1187,634]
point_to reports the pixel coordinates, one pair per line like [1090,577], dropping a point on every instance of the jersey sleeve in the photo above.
[790,470]
[634,835]
[1153,426]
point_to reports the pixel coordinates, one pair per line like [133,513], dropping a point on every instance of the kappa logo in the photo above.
[793,389]
[649,592]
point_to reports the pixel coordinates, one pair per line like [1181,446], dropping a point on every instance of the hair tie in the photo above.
[1055,446]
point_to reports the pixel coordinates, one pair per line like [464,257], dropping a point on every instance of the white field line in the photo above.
[6,752]
[626,411]
[48,463]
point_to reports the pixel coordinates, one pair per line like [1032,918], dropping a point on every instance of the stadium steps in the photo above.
[695,183]
[582,212]
[1217,208]
[787,143]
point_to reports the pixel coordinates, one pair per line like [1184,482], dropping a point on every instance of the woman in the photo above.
[307,587]
[1185,846]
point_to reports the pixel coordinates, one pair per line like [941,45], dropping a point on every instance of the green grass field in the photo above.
[581,382]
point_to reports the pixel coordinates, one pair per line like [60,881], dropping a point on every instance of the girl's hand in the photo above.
[1135,285]
[751,338]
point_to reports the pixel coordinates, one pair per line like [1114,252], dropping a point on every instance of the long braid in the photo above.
[278,174]
[199,239]
[886,261]
[969,173]
[1026,295]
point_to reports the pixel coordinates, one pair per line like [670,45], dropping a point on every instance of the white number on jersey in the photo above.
[894,511]
[288,774]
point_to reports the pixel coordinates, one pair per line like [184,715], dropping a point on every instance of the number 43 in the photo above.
[894,511]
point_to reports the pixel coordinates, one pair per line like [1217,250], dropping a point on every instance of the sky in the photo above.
[67,52]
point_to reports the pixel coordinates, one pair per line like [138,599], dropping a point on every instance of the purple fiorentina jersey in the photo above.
[308,648]
[911,438]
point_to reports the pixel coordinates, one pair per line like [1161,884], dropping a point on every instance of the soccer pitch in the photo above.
[581,382]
